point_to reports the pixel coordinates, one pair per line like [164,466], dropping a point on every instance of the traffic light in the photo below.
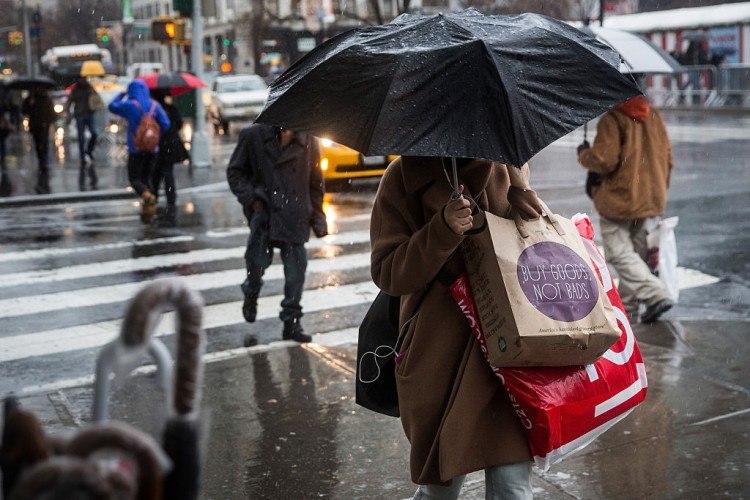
[167,29]
[103,35]
[15,38]
[36,30]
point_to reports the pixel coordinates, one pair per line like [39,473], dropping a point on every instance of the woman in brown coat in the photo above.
[455,413]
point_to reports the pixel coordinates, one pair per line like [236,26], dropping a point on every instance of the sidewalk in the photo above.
[283,424]
[18,181]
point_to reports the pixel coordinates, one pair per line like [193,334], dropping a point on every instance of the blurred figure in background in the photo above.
[633,156]
[6,127]
[85,101]
[171,151]
[136,106]
[40,110]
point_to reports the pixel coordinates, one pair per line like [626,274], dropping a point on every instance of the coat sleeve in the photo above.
[667,145]
[240,172]
[404,260]
[604,156]
[161,118]
[117,106]
[317,189]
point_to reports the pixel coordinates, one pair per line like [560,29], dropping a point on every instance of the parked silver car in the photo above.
[236,97]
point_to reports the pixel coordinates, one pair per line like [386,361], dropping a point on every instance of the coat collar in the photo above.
[419,171]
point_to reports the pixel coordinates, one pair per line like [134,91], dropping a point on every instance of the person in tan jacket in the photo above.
[633,157]
[454,411]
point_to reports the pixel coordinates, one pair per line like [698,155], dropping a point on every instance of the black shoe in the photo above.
[293,331]
[250,309]
[93,179]
[654,312]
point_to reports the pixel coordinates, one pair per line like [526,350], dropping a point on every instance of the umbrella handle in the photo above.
[585,131]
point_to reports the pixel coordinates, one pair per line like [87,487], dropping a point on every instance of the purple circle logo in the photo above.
[557,281]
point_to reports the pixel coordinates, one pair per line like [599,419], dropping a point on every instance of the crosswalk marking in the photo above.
[88,297]
[36,311]
[346,336]
[91,335]
[157,261]
[61,252]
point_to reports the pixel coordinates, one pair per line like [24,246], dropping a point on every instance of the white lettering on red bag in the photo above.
[564,409]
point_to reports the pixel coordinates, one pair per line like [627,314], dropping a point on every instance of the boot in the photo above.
[93,179]
[42,183]
[148,206]
[654,311]
[293,331]
[250,305]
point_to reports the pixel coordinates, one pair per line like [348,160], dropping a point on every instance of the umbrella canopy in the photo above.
[174,82]
[638,54]
[92,68]
[29,83]
[453,85]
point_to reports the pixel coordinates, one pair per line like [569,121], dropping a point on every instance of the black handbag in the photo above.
[377,347]
[378,344]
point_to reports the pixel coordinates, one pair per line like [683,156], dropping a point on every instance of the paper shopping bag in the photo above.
[538,299]
[564,409]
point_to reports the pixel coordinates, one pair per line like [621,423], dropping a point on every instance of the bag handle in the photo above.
[521,225]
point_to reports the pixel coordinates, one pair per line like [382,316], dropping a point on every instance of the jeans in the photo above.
[164,170]
[83,122]
[140,166]
[258,257]
[512,481]
[625,249]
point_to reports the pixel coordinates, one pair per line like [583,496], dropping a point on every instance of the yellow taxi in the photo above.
[341,164]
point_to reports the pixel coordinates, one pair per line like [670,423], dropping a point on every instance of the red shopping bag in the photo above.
[565,409]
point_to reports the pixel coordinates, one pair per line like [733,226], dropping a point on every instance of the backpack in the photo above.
[148,134]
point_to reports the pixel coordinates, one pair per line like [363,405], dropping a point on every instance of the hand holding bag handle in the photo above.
[521,224]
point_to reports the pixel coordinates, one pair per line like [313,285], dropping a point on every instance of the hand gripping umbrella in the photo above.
[451,85]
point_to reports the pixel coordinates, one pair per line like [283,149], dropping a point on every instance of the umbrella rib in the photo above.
[380,108]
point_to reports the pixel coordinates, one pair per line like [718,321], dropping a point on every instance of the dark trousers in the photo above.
[258,257]
[164,171]
[41,145]
[3,149]
[140,166]
[82,123]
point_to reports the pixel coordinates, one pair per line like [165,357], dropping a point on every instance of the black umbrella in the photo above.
[29,83]
[452,85]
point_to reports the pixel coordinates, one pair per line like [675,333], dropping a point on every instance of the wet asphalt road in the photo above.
[67,270]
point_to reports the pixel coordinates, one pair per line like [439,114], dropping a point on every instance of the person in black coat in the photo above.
[275,175]
[171,151]
[40,110]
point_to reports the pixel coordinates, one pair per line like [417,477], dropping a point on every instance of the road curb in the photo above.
[57,198]
[99,195]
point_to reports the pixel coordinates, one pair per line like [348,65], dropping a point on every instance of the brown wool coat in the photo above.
[454,411]
[635,160]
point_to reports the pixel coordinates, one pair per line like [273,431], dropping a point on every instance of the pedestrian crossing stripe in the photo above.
[105,268]
[61,340]
[95,296]
[89,336]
